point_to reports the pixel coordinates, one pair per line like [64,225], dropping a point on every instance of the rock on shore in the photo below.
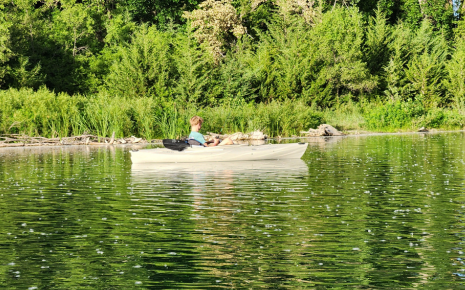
[323,130]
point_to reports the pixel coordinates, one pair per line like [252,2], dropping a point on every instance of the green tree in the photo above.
[73,25]
[337,45]
[5,52]
[439,12]
[60,36]
[234,79]
[378,36]
[159,12]
[119,29]
[24,71]
[145,66]
[426,66]
[393,72]
[283,58]
[217,25]
[24,75]
[194,66]
[455,79]
[255,15]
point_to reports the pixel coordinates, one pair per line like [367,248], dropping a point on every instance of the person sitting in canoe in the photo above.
[196,124]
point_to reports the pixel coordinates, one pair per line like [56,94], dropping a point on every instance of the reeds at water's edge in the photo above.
[44,113]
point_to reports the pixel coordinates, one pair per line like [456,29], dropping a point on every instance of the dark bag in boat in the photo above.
[174,144]
[194,142]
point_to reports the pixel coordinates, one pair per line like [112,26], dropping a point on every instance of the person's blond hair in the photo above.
[196,120]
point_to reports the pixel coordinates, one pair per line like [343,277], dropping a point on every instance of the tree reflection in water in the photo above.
[366,212]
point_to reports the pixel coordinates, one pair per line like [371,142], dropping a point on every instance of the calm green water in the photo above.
[357,212]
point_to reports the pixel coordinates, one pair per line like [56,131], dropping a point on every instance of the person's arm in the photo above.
[215,143]
[199,138]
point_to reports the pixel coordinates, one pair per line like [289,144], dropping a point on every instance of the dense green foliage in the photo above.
[51,115]
[144,53]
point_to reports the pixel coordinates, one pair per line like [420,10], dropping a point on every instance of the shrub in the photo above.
[145,66]
[441,118]
[393,115]
[41,113]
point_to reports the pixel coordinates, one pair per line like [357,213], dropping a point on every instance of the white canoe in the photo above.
[220,153]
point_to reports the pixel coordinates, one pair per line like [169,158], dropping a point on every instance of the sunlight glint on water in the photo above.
[373,211]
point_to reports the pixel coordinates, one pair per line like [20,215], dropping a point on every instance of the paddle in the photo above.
[177,145]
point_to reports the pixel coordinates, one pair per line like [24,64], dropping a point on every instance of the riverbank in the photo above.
[139,143]
[44,114]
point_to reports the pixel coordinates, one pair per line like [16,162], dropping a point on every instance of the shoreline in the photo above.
[144,143]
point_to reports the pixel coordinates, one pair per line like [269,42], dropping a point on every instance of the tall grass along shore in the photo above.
[44,113]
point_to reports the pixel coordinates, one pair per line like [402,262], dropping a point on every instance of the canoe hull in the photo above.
[220,153]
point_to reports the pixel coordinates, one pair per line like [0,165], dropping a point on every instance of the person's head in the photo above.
[196,123]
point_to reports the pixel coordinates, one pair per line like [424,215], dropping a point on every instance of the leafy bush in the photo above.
[454,119]
[455,69]
[393,115]
[145,66]
[337,42]
[412,115]
[440,118]
[40,113]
